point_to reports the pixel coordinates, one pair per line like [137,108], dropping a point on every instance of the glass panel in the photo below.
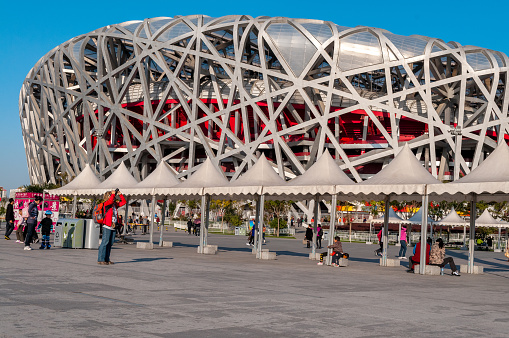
[478,61]
[295,47]
[158,23]
[131,25]
[321,32]
[359,50]
[408,46]
[174,31]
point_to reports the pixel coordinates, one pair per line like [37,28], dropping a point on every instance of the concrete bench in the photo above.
[432,270]
[478,269]
[391,262]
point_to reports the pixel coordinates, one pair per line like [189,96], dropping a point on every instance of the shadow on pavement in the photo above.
[138,260]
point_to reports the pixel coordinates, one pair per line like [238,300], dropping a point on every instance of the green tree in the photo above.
[277,210]
[39,188]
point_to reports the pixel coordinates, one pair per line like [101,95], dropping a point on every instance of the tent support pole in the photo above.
[203,241]
[153,210]
[369,234]
[424,230]
[163,218]
[255,226]
[260,228]
[74,206]
[499,234]
[471,242]
[332,226]
[385,234]
[315,225]
[126,215]
[464,236]
[207,217]
[399,235]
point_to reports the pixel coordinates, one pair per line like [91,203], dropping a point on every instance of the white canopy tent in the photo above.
[161,177]
[250,185]
[486,220]
[402,178]
[85,181]
[207,175]
[320,179]
[489,181]
[453,219]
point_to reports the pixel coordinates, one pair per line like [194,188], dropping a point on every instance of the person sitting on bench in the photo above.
[337,251]
[416,258]
[437,257]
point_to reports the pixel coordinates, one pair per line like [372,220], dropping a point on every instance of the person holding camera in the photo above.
[111,205]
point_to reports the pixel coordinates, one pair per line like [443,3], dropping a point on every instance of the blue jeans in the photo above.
[106,244]
[402,250]
[30,233]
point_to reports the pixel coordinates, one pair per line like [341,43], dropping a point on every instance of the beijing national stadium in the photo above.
[233,88]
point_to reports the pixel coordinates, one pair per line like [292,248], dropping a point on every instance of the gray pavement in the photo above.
[174,292]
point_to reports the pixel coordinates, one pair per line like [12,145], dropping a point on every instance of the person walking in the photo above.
[111,206]
[47,227]
[33,212]
[309,236]
[9,219]
[403,242]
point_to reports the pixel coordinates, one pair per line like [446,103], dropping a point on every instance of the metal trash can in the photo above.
[58,236]
[92,232]
[237,231]
[78,234]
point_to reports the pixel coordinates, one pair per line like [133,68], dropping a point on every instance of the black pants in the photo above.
[319,242]
[381,249]
[189,230]
[30,233]
[450,261]
[9,228]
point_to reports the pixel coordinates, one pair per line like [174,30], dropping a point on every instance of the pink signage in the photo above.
[23,199]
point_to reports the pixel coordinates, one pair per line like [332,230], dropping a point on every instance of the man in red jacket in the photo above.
[111,206]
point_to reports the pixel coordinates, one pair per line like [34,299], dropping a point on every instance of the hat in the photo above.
[48,212]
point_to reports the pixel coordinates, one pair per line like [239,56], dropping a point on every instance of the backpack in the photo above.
[320,233]
[99,213]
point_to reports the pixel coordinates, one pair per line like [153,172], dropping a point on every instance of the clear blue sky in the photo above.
[29,29]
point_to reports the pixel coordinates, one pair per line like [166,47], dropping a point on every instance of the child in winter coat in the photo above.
[47,227]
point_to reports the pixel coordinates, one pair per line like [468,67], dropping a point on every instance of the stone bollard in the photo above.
[314,257]
[167,244]
[343,262]
[144,245]
[478,269]
[391,262]
[268,255]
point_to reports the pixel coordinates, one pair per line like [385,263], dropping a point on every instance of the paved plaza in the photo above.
[174,292]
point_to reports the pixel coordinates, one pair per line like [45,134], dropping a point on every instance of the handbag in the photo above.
[304,241]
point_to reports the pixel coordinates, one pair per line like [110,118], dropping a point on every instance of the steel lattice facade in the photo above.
[181,89]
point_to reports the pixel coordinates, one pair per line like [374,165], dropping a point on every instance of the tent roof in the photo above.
[486,220]
[161,177]
[207,175]
[321,178]
[489,179]
[121,178]
[452,219]
[417,218]
[393,218]
[251,182]
[85,180]
[404,175]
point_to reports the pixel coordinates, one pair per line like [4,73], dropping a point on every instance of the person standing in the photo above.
[47,227]
[20,234]
[111,206]
[380,235]
[319,236]
[403,242]
[189,226]
[33,212]
[309,236]
[9,218]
